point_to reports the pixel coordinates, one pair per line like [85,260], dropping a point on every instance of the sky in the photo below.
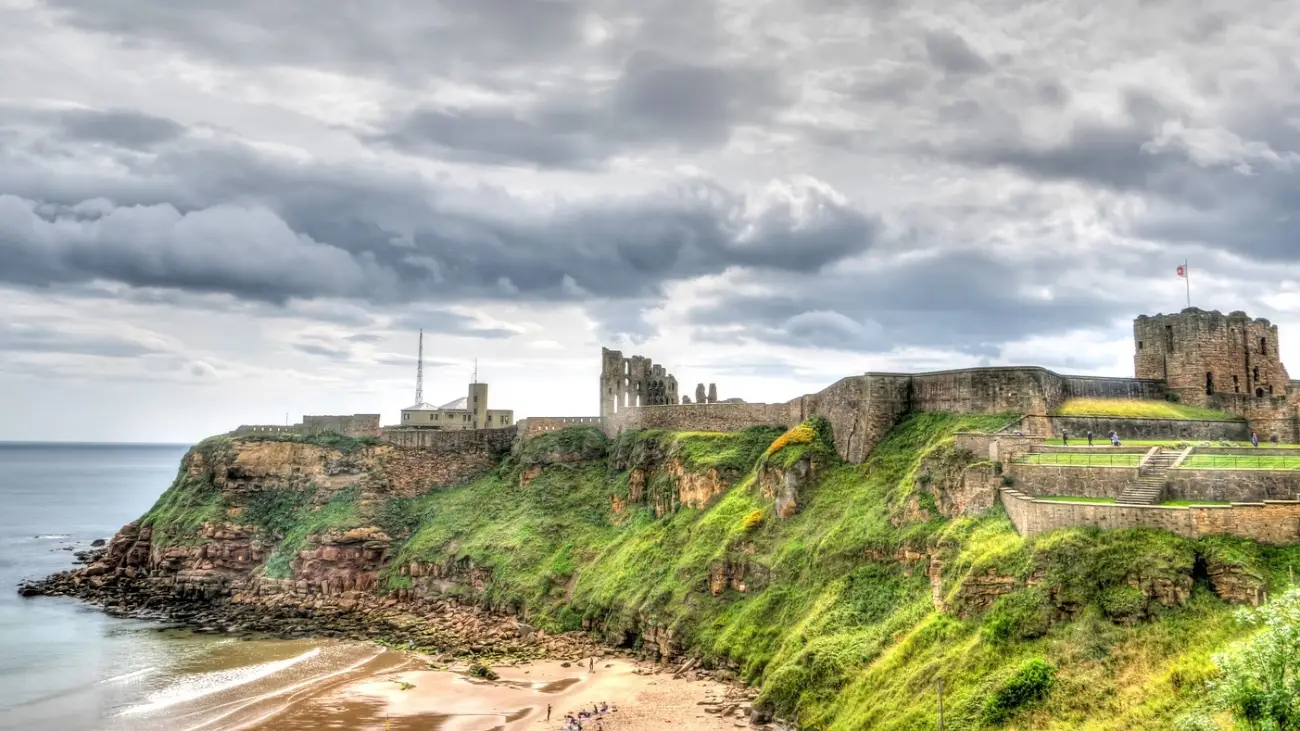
[223,213]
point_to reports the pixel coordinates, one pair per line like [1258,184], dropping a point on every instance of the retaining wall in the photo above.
[356,425]
[1271,522]
[1232,485]
[1187,429]
[702,417]
[536,425]
[459,440]
[1048,480]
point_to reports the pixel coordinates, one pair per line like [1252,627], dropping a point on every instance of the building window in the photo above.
[1209,384]
[1236,387]
[406,417]
[1139,345]
[1263,346]
[1256,373]
[1259,393]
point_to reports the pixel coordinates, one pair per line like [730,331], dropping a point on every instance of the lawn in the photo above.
[1192,503]
[1141,409]
[1083,460]
[1242,462]
[1099,440]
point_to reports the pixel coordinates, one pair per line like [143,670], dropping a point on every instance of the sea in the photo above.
[68,666]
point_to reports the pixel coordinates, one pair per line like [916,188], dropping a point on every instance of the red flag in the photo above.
[1182,271]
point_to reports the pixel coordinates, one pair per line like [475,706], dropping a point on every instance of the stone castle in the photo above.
[1228,362]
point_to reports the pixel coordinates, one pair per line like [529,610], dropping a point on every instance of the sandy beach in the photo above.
[395,695]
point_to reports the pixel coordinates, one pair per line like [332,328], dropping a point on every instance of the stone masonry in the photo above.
[632,382]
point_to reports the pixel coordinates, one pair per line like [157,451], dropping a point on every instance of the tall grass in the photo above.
[1140,409]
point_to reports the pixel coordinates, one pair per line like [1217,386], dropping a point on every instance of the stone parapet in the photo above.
[1272,522]
[1051,480]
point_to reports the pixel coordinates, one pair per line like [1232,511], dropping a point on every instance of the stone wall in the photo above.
[860,410]
[1048,480]
[536,425]
[1028,390]
[995,447]
[246,429]
[441,442]
[356,425]
[1243,485]
[1104,387]
[701,417]
[1186,429]
[1274,522]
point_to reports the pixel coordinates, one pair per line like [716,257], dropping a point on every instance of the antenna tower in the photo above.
[476,370]
[419,372]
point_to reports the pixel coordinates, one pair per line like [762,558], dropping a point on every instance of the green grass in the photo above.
[835,624]
[1241,462]
[1140,409]
[1191,503]
[1083,460]
[1074,499]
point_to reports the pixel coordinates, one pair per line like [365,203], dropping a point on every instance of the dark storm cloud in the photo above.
[394,38]
[15,338]
[656,101]
[122,127]
[965,301]
[950,52]
[221,218]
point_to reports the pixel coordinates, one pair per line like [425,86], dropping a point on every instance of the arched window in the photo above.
[1259,393]
[1255,373]
[1263,346]
[1209,384]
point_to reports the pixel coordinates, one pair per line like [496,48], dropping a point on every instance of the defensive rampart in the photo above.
[356,425]
[460,440]
[1132,428]
[1274,522]
[535,425]
[701,417]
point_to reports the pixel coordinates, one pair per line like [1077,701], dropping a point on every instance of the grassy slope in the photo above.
[844,641]
[1140,409]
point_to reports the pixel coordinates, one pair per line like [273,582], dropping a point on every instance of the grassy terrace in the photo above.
[1082,460]
[1099,440]
[1140,409]
[1241,462]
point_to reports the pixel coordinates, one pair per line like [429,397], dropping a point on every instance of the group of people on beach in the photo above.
[583,719]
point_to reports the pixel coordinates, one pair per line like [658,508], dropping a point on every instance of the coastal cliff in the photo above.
[841,592]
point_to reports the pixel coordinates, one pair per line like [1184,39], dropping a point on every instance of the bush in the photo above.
[478,670]
[1028,685]
[1195,721]
[1123,603]
[1024,614]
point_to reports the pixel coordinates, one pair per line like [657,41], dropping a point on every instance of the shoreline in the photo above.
[408,697]
[418,677]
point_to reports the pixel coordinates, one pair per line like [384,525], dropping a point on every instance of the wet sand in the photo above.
[392,693]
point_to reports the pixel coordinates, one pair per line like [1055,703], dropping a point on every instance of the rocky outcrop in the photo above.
[783,485]
[1236,583]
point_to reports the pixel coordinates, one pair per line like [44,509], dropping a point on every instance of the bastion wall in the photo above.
[1273,522]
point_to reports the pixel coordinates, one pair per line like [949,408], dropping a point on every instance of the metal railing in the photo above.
[1241,462]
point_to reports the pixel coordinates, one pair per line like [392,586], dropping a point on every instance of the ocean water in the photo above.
[68,666]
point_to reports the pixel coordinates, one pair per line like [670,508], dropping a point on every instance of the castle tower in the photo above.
[613,379]
[1202,354]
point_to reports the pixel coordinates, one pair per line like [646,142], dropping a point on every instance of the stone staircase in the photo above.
[1149,487]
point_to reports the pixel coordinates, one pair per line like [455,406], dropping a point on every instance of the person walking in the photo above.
[1065,438]
[1254,440]
[548,712]
[1089,437]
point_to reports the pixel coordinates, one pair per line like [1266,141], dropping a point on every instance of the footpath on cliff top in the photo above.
[840,594]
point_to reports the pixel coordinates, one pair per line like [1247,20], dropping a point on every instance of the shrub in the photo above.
[478,670]
[752,521]
[1123,602]
[1195,721]
[1259,673]
[1024,614]
[1028,685]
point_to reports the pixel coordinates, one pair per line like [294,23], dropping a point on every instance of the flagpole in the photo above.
[1187,275]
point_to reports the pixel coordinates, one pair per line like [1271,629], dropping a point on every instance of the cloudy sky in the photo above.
[214,213]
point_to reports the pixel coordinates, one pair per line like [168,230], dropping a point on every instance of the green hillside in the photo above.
[836,623]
